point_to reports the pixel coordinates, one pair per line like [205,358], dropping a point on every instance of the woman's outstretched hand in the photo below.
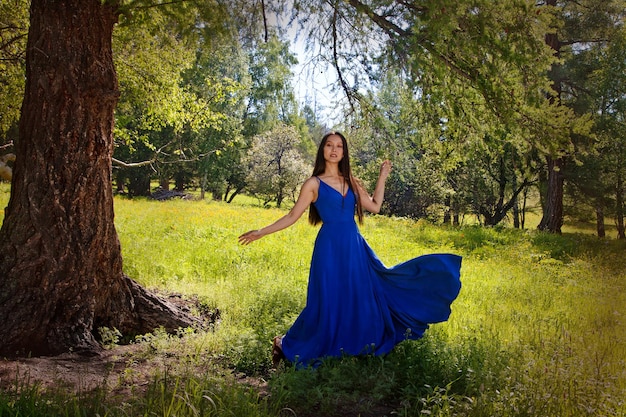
[250,237]
[385,169]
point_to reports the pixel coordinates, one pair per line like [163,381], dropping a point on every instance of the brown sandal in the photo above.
[277,352]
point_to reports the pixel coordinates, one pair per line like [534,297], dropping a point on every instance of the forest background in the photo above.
[490,112]
[478,105]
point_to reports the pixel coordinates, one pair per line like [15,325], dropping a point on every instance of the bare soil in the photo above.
[70,370]
[122,369]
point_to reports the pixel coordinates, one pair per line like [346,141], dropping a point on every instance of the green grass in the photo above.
[539,328]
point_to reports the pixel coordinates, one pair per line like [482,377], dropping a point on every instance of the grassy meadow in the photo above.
[539,328]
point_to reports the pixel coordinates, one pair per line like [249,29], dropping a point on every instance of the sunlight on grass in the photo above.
[538,329]
[538,325]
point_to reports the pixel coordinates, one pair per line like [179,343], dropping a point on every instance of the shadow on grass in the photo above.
[417,377]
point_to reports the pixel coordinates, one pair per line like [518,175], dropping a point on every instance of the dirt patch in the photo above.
[119,369]
[124,372]
[70,370]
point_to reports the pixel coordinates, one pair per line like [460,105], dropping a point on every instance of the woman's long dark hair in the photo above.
[344,170]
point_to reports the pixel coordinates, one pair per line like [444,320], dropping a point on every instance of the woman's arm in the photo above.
[308,194]
[374,202]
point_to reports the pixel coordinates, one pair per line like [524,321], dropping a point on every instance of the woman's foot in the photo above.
[277,351]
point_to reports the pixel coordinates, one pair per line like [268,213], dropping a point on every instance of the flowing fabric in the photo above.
[355,304]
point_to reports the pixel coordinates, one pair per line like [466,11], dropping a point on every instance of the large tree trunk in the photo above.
[552,219]
[60,264]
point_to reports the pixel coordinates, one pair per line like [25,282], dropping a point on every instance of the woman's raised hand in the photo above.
[385,169]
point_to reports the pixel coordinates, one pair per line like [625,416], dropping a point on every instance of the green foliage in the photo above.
[13,32]
[458,94]
[473,63]
[149,61]
[109,337]
[479,70]
[193,98]
[596,184]
[276,169]
[440,168]
[183,79]
[271,100]
[396,129]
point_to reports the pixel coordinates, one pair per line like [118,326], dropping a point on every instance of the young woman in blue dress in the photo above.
[355,304]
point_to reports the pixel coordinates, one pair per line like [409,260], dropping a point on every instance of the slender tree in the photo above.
[276,167]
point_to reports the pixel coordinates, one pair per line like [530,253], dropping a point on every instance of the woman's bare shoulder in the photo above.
[311,181]
[311,184]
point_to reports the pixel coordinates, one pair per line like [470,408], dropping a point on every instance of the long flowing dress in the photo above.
[355,304]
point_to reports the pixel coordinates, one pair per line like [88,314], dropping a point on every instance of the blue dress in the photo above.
[355,304]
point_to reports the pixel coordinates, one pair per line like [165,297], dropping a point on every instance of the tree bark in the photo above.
[447,215]
[552,219]
[516,214]
[523,210]
[233,195]
[494,215]
[60,264]
[600,220]
[619,207]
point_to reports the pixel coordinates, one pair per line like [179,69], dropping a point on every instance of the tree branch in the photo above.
[387,26]
[132,164]
[410,4]
[344,85]
[395,31]
[156,159]
[264,20]
[150,6]
[576,41]
[7,146]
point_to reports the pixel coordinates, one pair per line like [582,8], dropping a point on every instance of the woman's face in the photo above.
[333,149]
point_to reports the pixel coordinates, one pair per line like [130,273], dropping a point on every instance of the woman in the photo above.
[356,305]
